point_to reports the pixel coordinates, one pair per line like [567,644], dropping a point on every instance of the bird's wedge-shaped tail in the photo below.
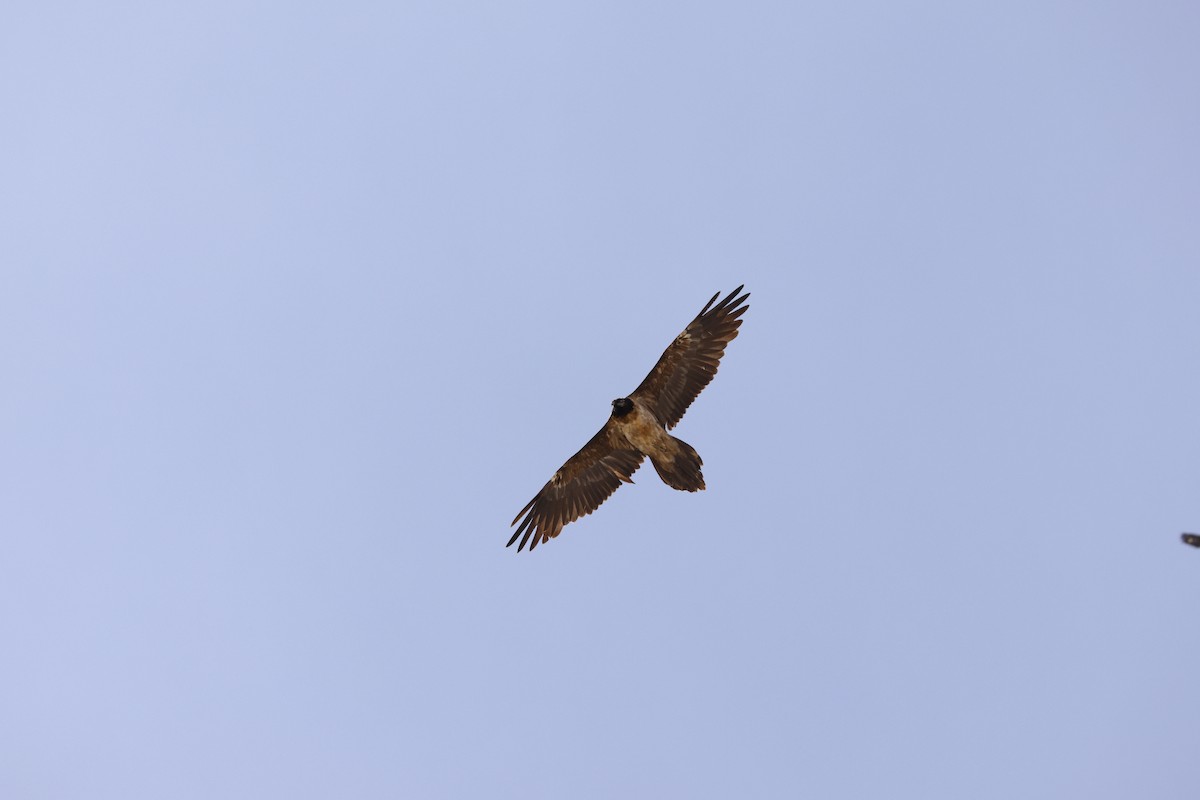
[682,469]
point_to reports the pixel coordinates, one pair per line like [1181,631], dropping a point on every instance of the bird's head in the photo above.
[622,406]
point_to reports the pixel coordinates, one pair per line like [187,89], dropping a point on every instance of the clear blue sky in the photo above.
[301,303]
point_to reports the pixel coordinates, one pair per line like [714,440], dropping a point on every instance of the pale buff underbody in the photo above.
[640,430]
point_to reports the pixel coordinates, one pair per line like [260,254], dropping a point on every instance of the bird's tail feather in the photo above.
[682,472]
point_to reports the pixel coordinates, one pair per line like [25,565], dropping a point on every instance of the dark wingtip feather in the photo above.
[520,530]
[521,513]
[526,524]
[708,305]
[731,301]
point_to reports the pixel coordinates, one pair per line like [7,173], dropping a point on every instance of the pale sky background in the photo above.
[301,303]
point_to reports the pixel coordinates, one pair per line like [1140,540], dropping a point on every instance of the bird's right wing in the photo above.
[578,488]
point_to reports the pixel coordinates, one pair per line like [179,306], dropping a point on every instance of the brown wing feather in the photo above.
[690,363]
[578,488]
[1192,539]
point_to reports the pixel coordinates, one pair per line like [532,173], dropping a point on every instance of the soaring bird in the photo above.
[1191,538]
[637,429]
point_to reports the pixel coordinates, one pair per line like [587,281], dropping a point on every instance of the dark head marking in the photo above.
[622,406]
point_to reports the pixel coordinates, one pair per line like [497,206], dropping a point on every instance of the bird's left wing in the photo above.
[578,488]
[690,363]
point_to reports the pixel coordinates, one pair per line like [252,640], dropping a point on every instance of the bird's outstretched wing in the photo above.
[1192,539]
[690,363]
[578,488]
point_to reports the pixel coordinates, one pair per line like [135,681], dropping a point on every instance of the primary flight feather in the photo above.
[637,429]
